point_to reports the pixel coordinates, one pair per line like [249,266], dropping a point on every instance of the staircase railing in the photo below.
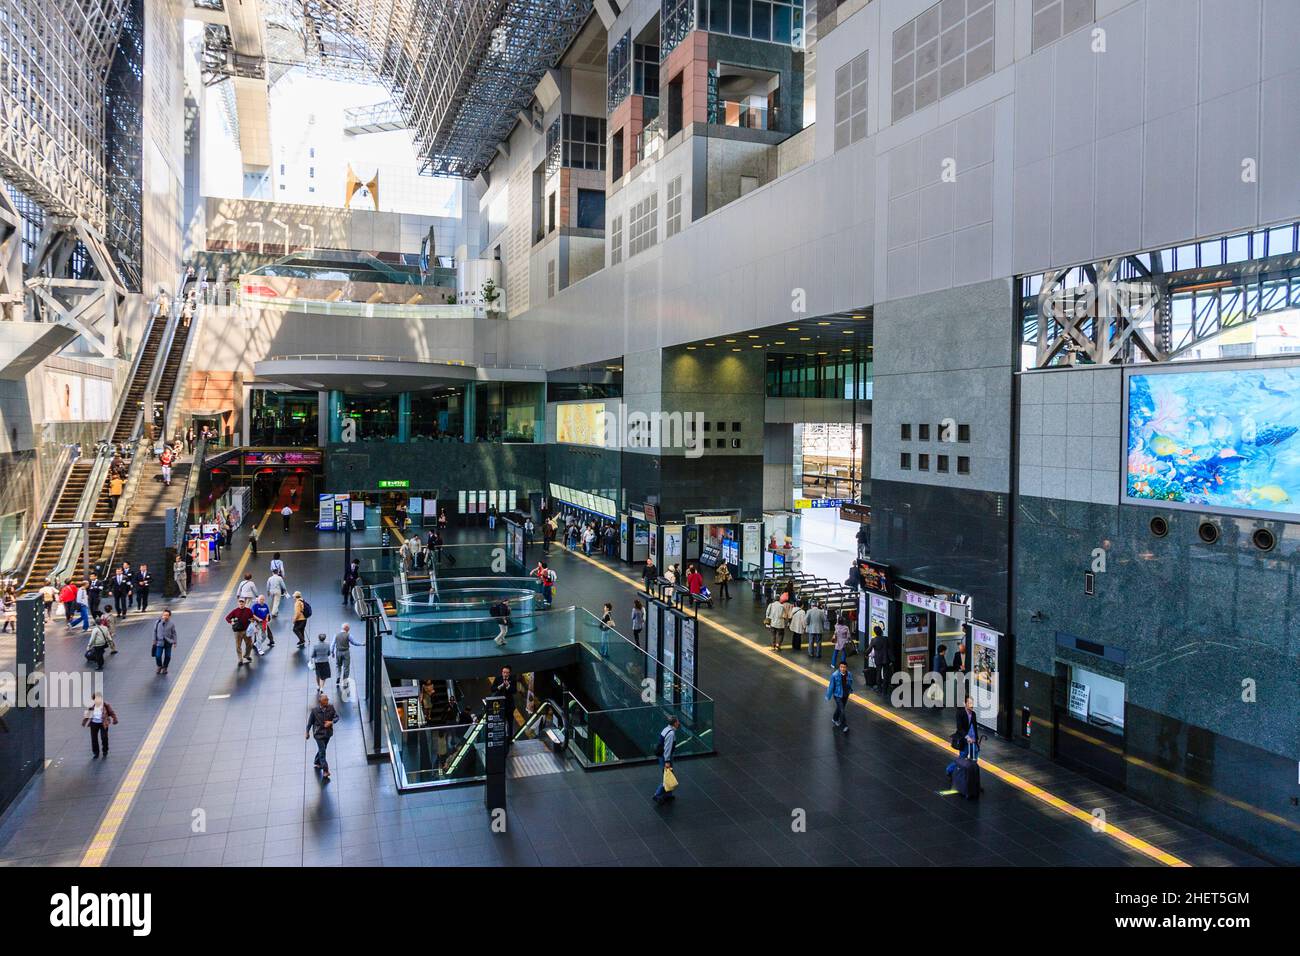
[124,402]
[139,448]
[181,388]
[188,492]
[78,540]
[59,473]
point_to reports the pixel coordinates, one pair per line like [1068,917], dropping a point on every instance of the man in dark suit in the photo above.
[120,585]
[968,735]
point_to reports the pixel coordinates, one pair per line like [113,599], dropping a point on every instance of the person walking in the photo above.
[776,622]
[649,573]
[301,611]
[189,440]
[277,564]
[815,624]
[83,605]
[966,740]
[548,536]
[529,530]
[638,620]
[285,514]
[98,644]
[121,588]
[840,655]
[722,578]
[179,576]
[343,643]
[664,751]
[879,658]
[547,577]
[320,661]
[252,540]
[839,690]
[247,589]
[49,594]
[68,598]
[501,611]
[165,460]
[277,589]
[492,517]
[240,619]
[320,721]
[262,622]
[189,568]
[143,580]
[164,639]
[95,593]
[97,717]
[797,625]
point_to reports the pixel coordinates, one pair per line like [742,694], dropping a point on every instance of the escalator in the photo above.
[53,540]
[133,402]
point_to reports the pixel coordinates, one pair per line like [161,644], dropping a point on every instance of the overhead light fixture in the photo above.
[690,348]
[778,343]
[709,345]
[735,350]
[792,328]
[846,350]
[751,336]
[805,338]
[313,384]
[756,346]
[729,341]
[823,353]
[823,323]
[374,384]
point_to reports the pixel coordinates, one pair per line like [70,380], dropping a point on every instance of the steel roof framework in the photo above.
[54,64]
[460,70]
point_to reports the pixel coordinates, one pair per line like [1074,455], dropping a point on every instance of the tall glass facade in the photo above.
[283,418]
[438,414]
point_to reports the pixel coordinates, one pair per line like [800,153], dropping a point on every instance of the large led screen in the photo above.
[580,423]
[1215,439]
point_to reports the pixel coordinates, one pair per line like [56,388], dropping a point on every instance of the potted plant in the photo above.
[491,293]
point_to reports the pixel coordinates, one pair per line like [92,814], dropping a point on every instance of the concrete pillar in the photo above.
[404,417]
[470,402]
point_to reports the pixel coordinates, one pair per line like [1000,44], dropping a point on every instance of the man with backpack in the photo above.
[546,576]
[664,751]
[301,612]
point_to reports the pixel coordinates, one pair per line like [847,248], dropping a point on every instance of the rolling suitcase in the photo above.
[966,776]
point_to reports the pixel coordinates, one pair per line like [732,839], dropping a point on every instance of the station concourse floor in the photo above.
[226,748]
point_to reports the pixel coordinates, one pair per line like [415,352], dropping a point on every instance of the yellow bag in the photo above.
[670,780]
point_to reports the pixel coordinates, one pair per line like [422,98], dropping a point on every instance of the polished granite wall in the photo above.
[950,537]
[1209,636]
[447,466]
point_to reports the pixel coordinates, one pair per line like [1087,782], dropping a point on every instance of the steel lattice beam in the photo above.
[54,63]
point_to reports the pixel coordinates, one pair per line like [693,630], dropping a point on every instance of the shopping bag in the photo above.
[670,780]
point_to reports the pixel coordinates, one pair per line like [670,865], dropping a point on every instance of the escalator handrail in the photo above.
[72,546]
[122,408]
[466,745]
[187,354]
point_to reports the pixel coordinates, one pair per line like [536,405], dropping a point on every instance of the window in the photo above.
[941,463]
[619,65]
[645,70]
[616,155]
[923,432]
[722,426]
[591,209]
[851,101]
[584,142]
[1054,19]
[676,18]
[643,225]
[905,461]
[282,169]
[947,47]
[905,432]
[963,465]
[673,208]
[550,278]
[922,462]
[550,213]
[311,152]
[616,241]
[674,106]
[963,433]
[735,426]
[311,172]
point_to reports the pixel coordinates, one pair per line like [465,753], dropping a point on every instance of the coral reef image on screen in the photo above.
[1219,439]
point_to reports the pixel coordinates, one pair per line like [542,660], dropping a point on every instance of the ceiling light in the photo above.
[708,345]
[848,331]
[778,343]
[311,384]
[823,323]
[792,328]
[729,341]
[735,350]
[690,348]
[821,353]
[751,336]
[373,383]
[805,338]
[756,346]
[846,350]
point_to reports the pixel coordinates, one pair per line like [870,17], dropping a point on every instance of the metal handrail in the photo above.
[85,510]
[180,390]
[187,493]
[135,368]
[62,466]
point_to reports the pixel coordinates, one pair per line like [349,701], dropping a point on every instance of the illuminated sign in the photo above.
[394,483]
[580,423]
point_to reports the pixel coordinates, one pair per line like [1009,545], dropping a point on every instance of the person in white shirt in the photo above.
[776,621]
[247,589]
[277,566]
[797,618]
[277,589]
[286,513]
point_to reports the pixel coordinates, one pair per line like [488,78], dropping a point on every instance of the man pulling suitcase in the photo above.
[964,771]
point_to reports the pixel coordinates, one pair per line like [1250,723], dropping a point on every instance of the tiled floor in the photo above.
[235,761]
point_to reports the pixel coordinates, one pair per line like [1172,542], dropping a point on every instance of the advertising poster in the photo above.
[98,399]
[879,613]
[325,521]
[752,540]
[63,397]
[876,577]
[688,669]
[984,668]
[1078,700]
[1222,439]
[580,423]
[916,637]
[670,657]
[652,613]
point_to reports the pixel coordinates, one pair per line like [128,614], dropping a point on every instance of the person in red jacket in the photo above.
[694,580]
[68,596]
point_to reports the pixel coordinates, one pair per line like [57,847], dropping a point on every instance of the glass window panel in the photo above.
[1281,241]
[927,25]
[762,26]
[1212,253]
[740,18]
[904,39]
[782,24]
